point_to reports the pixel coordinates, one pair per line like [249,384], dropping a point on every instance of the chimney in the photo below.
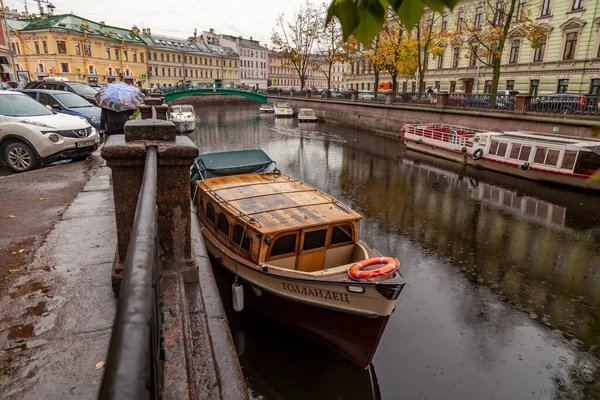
[102,23]
[212,30]
[250,37]
[148,32]
[134,29]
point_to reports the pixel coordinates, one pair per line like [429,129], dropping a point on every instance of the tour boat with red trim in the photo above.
[564,160]
[296,256]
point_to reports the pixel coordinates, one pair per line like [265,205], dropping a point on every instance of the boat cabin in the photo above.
[276,220]
[574,156]
[184,108]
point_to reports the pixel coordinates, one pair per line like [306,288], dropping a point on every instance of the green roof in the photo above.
[230,163]
[73,23]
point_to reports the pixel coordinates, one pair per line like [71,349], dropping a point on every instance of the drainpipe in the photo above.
[121,49]
[84,55]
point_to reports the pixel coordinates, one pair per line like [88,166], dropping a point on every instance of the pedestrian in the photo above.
[113,122]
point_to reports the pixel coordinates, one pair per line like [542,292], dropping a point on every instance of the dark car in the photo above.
[66,103]
[78,88]
[566,103]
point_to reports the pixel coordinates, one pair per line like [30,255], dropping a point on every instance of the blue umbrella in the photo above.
[119,97]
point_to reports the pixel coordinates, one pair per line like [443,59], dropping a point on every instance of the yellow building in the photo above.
[80,50]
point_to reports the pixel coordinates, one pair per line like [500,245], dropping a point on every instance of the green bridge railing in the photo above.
[190,89]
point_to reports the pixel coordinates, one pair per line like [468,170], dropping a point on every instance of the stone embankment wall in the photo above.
[387,120]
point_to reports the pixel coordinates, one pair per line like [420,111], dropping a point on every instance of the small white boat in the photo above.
[563,160]
[283,110]
[183,116]
[307,115]
[266,108]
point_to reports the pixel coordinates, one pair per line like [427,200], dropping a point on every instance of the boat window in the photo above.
[502,149]
[494,147]
[223,224]
[284,245]
[552,157]
[587,163]
[210,213]
[341,234]
[514,151]
[314,239]
[525,152]
[239,236]
[540,155]
[569,159]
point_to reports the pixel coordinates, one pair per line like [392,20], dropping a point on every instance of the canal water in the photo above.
[503,293]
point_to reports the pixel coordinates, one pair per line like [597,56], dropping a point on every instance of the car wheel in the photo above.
[20,157]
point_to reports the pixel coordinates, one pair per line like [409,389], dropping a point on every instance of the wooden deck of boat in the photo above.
[278,202]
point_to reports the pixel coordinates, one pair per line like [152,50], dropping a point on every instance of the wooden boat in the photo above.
[555,159]
[183,116]
[293,248]
[307,115]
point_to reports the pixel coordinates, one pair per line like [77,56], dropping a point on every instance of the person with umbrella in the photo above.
[118,102]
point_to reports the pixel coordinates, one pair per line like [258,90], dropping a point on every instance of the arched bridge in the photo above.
[172,93]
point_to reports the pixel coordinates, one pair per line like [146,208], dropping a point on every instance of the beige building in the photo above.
[568,59]
[283,74]
[172,61]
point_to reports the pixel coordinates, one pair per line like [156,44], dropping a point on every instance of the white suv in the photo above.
[32,135]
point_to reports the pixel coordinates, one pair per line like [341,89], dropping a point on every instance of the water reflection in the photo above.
[504,288]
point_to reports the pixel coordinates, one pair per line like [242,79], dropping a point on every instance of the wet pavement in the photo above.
[503,294]
[57,312]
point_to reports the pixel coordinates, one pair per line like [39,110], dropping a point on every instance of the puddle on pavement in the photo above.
[35,311]
[17,332]
[29,288]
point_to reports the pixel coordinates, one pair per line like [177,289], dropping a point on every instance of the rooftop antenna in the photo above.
[26,11]
[195,32]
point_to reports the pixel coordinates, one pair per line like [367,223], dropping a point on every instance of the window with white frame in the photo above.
[41,69]
[92,70]
[570,45]
[546,8]
[514,51]
[64,68]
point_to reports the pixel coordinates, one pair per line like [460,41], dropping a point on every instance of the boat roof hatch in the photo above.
[277,202]
[231,161]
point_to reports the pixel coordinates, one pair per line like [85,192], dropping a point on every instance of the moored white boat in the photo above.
[283,109]
[296,252]
[183,116]
[562,160]
[307,115]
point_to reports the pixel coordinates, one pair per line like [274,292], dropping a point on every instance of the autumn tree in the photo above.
[331,47]
[360,54]
[295,40]
[430,40]
[396,52]
[491,23]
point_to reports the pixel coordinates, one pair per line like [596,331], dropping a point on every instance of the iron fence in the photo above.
[416,98]
[481,101]
[572,104]
[134,366]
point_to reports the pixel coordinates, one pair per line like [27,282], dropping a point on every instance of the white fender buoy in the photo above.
[237,294]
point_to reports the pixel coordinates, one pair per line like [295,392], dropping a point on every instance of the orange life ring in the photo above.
[389,265]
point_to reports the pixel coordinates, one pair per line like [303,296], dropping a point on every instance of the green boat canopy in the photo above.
[231,163]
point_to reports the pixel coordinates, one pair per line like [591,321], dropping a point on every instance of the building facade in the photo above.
[254,58]
[172,61]
[6,57]
[567,60]
[78,49]
[283,75]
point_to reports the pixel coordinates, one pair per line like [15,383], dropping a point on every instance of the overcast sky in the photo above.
[178,18]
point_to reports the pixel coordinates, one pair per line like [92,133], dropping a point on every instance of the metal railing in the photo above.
[416,98]
[573,104]
[453,134]
[481,101]
[134,366]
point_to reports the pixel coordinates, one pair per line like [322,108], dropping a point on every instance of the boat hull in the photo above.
[352,337]
[308,119]
[184,126]
[504,168]
[348,324]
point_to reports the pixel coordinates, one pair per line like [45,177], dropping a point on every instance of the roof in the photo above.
[160,42]
[245,43]
[233,160]
[73,23]
[277,202]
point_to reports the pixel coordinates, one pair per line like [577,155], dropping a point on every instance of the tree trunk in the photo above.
[376,87]
[329,81]
[420,69]
[498,60]
[394,83]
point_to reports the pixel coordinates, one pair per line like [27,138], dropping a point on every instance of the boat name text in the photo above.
[317,293]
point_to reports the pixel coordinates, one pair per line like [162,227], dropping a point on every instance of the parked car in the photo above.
[566,103]
[81,89]
[31,135]
[66,103]
[366,96]
[335,94]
